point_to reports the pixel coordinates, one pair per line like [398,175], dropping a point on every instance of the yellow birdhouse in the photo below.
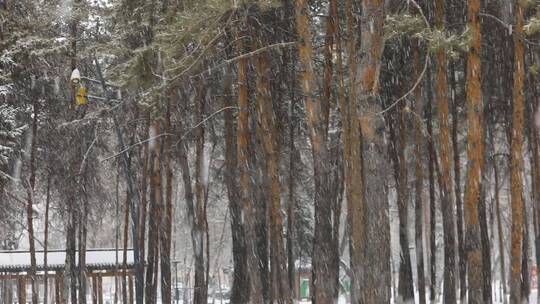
[81,99]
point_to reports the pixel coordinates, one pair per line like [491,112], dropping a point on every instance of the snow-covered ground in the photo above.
[342,300]
[496,298]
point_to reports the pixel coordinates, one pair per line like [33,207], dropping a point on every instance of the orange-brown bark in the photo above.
[353,164]
[419,179]
[248,215]
[200,229]
[265,110]
[474,155]
[372,214]
[516,159]
[441,96]
[328,65]
[322,258]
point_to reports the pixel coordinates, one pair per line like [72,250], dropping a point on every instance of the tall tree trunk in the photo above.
[484,236]
[116,238]
[525,284]
[322,282]
[441,93]
[474,155]
[200,230]
[133,191]
[289,81]
[186,179]
[352,155]
[260,185]
[154,223]
[377,278]
[240,287]
[462,259]
[419,179]
[291,204]
[142,207]
[535,163]
[29,207]
[255,288]
[377,271]
[124,252]
[83,221]
[264,105]
[377,283]
[46,240]
[328,66]
[155,274]
[432,204]
[151,244]
[338,188]
[70,276]
[405,284]
[83,218]
[335,156]
[516,159]
[345,137]
[499,228]
[166,227]
[484,213]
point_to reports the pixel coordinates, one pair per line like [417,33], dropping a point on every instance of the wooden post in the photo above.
[100,289]
[94,289]
[22,289]
[9,295]
[57,296]
[7,291]
[130,289]
[47,295]
[4,291]
[60,287]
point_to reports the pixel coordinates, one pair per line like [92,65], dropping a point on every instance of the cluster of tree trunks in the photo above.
[351,165]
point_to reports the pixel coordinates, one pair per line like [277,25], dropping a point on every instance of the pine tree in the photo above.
[474,156]
[441,93]
[322,259]
[516,158]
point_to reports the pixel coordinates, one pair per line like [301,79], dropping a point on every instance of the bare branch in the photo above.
[420,77]
[83,163]
[169,134]
[248,55]
[137,144]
